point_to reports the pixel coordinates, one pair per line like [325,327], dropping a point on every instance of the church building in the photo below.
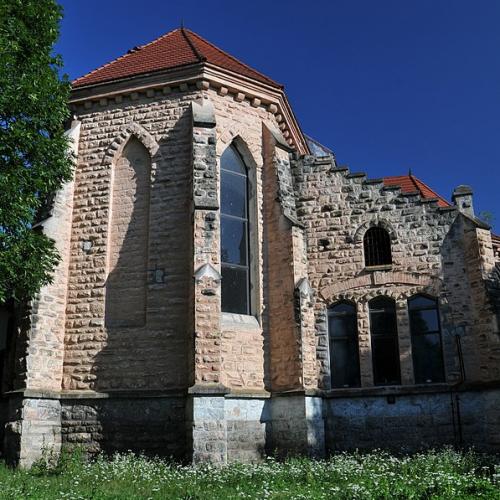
[227,290]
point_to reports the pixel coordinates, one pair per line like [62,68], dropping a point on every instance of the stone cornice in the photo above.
[202,76]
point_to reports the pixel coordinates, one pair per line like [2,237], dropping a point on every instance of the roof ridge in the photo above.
[232,57]
[419,186]
[431,190]
[414,181]
[196,52]
[128,53]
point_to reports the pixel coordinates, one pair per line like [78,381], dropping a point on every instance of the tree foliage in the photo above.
[487,217]
[34,159]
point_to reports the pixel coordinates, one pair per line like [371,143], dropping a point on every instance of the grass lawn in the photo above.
[440,474]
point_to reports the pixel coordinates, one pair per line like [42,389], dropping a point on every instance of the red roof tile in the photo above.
[180,47]
[409,183]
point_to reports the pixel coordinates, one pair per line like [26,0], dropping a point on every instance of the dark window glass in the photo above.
[234,293]
[234,246]
[233,195]
[384,336]
[424,321]
[231,161]
[235,258]
[426,344]
[344,351]
[421,301]
[377,246]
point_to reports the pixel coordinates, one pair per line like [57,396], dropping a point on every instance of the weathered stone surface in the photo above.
[431,248]
[32,431]
[414,422]
[297,426]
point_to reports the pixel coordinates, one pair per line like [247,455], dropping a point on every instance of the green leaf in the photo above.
[34,157]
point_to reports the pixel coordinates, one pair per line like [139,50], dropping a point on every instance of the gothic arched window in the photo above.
[235,253]
[377,246]
[426,340]
[384,335]
[344,351]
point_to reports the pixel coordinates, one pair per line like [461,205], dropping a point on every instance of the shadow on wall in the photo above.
[455,303]
[7,359]
[149,266]
[128,239]
[146,302]
[473,304]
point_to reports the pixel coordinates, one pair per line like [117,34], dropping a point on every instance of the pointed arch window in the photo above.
[344,350]
[377,247]
[384,336]
[426,341]
[235,234]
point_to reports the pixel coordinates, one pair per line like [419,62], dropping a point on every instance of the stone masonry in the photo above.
[131,348]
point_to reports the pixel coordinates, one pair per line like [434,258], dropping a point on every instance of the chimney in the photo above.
[462,198]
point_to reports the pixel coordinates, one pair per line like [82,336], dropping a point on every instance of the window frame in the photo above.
[247,223]
[345,339]
[375,337]
[437,332]
[377,257]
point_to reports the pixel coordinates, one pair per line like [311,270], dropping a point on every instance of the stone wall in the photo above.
[297,426]
[154,354]
[429,254]
[412,422]
[40,343]
[33,429]
[99,356]
[247,421]
[151,425]
[480,262]
[285,370]
[126,286]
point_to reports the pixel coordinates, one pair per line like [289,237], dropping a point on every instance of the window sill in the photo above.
[372,269]
[239,321]
[389,390]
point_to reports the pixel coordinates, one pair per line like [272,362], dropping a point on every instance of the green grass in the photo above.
[440,474]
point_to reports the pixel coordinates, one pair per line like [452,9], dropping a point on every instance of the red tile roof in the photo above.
[180,47]
[409,183]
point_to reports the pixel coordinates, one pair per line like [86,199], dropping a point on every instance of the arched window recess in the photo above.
[377,247]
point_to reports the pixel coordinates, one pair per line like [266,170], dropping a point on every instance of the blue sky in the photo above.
[389,85]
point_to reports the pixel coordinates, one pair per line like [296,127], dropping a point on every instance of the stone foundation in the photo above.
[247,423]
[221,428]
[411,422]
[32,429]
[228,428]
[297,426]
[150,425]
